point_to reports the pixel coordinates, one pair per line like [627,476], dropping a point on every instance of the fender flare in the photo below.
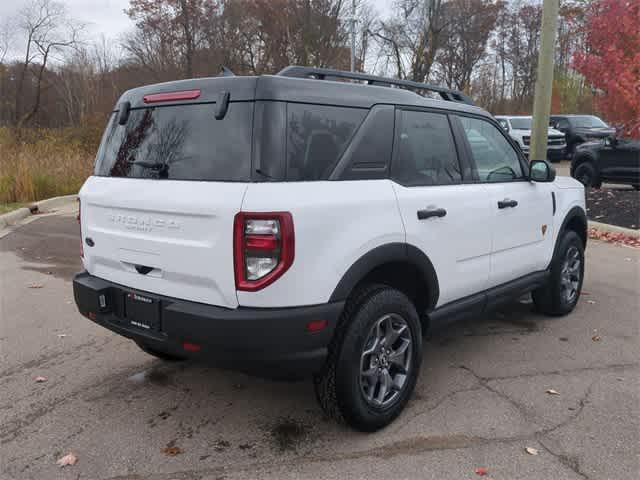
[574,212]
[388,253]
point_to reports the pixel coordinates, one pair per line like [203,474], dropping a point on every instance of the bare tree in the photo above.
[412,37]
[49,31]
[465,39]
[7,32]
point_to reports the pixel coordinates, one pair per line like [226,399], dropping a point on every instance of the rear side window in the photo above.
[182,142]
[316,138]
[426,151]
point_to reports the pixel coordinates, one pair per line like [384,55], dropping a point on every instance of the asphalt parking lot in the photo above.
[480,401]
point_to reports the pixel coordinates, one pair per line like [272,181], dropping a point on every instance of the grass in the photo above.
[8,207]
[40,163]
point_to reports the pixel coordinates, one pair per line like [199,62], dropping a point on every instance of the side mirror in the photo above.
[541,171]
[612,141]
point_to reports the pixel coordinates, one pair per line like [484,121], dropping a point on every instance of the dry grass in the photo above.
[42,163]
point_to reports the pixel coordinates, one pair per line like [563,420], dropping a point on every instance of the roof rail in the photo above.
[327,73]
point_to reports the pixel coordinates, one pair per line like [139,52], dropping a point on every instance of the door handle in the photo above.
[507,203]
[428,213]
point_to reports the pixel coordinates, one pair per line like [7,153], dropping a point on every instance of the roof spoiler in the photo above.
[328,74]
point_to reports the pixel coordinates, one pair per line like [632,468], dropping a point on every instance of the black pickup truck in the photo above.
[580,128]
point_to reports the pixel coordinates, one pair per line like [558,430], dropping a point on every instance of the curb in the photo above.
[605,227]
[43,206]
[14,216]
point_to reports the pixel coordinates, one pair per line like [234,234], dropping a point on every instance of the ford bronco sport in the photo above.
[316,223]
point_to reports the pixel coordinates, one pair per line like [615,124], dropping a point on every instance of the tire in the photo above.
[167,357]
[342,391]
[586,174]
[562,291]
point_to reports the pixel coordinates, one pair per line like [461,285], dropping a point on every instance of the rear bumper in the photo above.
[272,342]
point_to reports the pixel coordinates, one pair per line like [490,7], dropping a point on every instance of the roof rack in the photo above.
[325,73]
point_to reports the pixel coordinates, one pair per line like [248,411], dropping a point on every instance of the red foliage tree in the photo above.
[611,60]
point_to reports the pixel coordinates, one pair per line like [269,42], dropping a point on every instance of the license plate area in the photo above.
[142,312]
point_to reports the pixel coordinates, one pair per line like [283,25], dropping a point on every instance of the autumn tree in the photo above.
[611,61]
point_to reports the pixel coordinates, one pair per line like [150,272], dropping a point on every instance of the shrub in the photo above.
[41,163]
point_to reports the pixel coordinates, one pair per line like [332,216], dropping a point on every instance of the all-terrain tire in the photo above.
[586,174]
[550,299]
[337,386]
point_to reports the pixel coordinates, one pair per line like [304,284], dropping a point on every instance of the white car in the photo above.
[519,128]
[294,226]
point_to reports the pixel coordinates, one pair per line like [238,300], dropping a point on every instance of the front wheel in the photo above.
[562,291]
[586,174]
[373,361]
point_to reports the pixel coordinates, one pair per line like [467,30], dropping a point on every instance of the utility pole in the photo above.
[544,81]
[353,35]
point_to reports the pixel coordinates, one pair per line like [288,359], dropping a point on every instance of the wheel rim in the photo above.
[570,275]
[385,361]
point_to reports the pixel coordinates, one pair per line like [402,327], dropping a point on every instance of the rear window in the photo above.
[182,142]
[316,138]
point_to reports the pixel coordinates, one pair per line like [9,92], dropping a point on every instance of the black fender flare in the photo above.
[388,253]
[574,212]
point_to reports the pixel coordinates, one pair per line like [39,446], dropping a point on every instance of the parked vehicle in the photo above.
[607,160]
[519,128]
[580,128]
[292,225]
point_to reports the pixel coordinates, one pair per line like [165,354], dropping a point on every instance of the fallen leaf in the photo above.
[482,471]
[172,451]
[551,391]
[531,451]
[591,302]
[40,379]
[36,285]
[68,459]
[596,338]
[62,335]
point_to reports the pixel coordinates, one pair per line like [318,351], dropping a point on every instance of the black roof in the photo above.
[295,89]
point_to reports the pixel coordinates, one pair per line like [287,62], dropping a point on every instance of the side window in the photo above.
[426,152]
[494,157]
[562,123]
[316,137]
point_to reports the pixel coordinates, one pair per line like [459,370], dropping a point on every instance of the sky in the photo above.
[106,17]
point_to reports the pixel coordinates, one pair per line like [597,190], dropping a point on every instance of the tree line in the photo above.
[487,48]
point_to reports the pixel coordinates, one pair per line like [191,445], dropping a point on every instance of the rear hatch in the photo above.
[157,215]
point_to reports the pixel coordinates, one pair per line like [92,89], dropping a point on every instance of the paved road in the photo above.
[479,402]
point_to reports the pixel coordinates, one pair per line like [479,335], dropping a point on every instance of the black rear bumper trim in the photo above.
[261,341]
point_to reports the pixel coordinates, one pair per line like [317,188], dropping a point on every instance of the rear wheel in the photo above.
[586,174]
[374,360]
[158,354]
[562,291]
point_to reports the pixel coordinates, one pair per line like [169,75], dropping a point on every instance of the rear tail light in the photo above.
[80,223]
[263,248]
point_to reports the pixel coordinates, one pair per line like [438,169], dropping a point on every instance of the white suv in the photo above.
[290,225]
[519,128]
